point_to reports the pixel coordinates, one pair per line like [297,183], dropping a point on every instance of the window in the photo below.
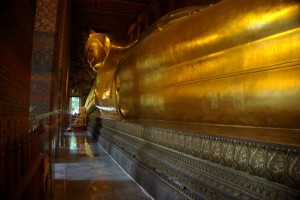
[74,105]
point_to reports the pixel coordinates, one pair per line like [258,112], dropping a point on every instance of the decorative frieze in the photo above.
[42,54]
[210,166]
[45,19]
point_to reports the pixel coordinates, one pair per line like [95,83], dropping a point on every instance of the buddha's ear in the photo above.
[106,44]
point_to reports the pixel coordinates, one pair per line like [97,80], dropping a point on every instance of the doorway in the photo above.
[74,107]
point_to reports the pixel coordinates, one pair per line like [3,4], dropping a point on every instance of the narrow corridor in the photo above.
[83,170]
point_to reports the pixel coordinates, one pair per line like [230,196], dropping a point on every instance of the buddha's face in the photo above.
[95,55]
[96,51]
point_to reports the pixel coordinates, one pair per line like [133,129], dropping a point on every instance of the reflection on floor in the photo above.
[84,170]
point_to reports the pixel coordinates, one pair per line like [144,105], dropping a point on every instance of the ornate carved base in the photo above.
[152,183]
[200,166]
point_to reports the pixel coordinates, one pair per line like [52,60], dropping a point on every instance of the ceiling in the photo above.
[108,16]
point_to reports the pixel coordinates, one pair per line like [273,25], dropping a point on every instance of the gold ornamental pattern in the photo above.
[191,159]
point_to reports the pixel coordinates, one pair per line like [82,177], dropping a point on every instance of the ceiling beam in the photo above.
[93,11]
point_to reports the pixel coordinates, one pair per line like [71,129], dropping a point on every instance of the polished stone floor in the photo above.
[83,170]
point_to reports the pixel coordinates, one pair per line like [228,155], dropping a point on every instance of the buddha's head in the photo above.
[96,50]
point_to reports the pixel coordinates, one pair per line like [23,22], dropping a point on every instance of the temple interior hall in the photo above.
[149,99]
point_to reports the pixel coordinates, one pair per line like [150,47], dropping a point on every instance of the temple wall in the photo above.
[50,58]
[28,39]
[42,57]
[19,147]
[50,65]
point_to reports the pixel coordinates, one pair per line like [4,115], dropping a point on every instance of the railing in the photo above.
[35,119]
[24,168]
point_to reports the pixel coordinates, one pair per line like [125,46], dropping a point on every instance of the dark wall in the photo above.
[16,36]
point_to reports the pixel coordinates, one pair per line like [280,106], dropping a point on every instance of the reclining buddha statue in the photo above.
[235,63]
[207,99]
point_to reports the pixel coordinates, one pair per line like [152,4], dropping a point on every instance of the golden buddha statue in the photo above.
[236,63]
[80,120]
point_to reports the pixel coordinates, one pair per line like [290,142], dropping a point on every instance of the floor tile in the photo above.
[83,170]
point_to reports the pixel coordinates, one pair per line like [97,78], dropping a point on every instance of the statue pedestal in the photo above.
[198,165]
